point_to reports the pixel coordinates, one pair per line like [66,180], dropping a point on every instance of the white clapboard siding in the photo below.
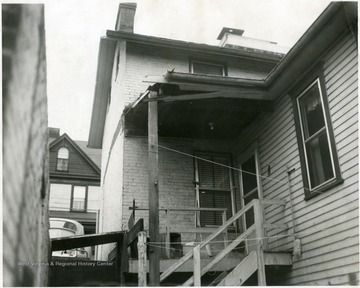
[328,223]
[335,215]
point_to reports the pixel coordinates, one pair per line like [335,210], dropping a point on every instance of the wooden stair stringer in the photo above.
[241,272]
[248,266]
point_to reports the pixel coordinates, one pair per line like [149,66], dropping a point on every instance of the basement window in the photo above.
[202,67]
[320,167]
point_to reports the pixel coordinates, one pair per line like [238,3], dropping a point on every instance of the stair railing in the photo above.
[198,272]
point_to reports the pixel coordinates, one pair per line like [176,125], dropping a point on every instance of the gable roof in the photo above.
[88,154]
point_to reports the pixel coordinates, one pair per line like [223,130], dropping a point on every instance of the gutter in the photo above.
[324,17]
[213,79]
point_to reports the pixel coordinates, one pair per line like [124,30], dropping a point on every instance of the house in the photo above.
[241,140]
[25,182]
[74,180]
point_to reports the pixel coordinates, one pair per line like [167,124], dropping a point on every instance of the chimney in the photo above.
[233,38]
[125,17]
[54,132]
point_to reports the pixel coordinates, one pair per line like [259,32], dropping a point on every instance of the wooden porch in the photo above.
[238,257]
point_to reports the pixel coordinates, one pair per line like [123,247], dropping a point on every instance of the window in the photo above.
[78,201]
[316,141]
[214,188]
[200,67]
[62,159]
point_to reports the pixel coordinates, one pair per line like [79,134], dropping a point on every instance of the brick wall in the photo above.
[176,180]
[25,159]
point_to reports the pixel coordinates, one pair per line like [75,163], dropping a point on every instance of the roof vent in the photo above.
[233,38]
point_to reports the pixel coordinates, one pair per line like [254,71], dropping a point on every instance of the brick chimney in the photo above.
[125,17]
[54,132]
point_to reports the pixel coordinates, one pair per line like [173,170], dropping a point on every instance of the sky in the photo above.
[74,27]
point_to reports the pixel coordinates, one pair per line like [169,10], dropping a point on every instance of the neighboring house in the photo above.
[25,185]
[238,123]
[74,180]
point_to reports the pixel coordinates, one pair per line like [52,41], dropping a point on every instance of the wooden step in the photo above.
[248,266]
[241,272]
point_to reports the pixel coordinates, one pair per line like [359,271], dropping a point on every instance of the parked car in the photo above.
[60,228]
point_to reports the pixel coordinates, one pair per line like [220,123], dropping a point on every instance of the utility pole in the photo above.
[153,158]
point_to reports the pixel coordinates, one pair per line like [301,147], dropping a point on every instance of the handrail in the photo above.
[224,252]
[211,237]
[185,209]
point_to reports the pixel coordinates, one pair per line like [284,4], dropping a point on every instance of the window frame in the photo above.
[72,198]
[207,62]
[57,159]
[317,76]
[250,151]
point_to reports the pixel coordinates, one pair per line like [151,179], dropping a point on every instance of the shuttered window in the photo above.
[214,187]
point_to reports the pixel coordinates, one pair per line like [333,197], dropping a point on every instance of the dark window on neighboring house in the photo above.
[320,167]
[79,197]
[214,187]
[62,163]
[200,67]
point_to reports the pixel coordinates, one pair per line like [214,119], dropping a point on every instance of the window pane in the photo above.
[249,175]
[62,164]
[79,191]
[319,160]
[207,68]
[63,153]
[311,111]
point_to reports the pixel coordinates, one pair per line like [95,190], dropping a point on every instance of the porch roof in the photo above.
[190,107]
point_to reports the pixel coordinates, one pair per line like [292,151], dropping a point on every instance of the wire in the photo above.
[231,167]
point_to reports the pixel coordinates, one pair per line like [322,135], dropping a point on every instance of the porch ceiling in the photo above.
[187,113]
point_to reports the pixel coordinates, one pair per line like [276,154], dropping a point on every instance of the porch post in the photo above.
[142,271]
[154,252]
[259,243]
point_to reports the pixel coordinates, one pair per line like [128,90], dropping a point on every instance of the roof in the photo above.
[93,156]
[330,25]
[257,55]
